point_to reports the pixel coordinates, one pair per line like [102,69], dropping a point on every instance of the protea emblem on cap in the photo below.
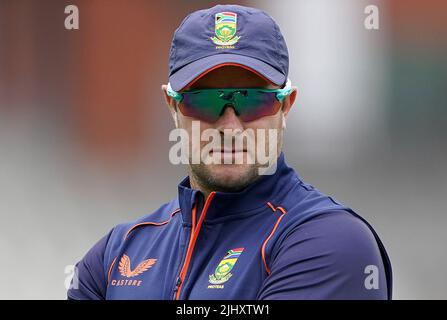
[225,29]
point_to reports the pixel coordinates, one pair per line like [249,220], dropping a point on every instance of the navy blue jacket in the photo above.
[279,238]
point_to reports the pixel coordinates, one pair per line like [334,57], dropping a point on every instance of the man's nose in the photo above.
[228,119]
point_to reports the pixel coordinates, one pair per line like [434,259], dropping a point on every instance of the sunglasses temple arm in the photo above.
[285,91]
[175,95]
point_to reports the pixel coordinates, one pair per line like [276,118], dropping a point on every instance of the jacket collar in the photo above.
[268,188]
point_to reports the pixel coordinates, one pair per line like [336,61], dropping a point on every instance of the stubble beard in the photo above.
[207,179]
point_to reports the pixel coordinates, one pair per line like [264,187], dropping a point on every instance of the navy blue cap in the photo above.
[227,35]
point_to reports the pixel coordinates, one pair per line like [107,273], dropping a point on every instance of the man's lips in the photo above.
[228,151]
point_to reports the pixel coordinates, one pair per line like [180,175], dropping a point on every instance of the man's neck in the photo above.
[196,185]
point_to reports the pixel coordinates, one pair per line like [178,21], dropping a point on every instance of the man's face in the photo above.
[232,177]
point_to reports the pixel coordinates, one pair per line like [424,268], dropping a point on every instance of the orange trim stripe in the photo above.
[193,240]
[281,209]
[283,212]
[227,64]
[150,223]
[136,226]
[194,218]
[193,228]
[110,270]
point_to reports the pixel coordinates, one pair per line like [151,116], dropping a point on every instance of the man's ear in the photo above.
[289,101]
[287,105]
[170,102]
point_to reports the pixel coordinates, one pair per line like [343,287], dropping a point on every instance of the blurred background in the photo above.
[84,129]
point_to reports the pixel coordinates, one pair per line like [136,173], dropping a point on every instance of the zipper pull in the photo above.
[178,282]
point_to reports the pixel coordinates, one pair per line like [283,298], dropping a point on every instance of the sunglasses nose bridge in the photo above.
[229,105]
[231,98]
[229,119]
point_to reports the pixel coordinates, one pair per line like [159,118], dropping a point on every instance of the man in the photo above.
[234,232]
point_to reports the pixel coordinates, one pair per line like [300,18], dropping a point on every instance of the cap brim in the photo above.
[189,73]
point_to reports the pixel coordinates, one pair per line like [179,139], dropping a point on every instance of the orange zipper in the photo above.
[195,229]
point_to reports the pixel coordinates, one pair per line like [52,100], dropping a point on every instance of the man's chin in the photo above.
[230,172]
[226,177]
